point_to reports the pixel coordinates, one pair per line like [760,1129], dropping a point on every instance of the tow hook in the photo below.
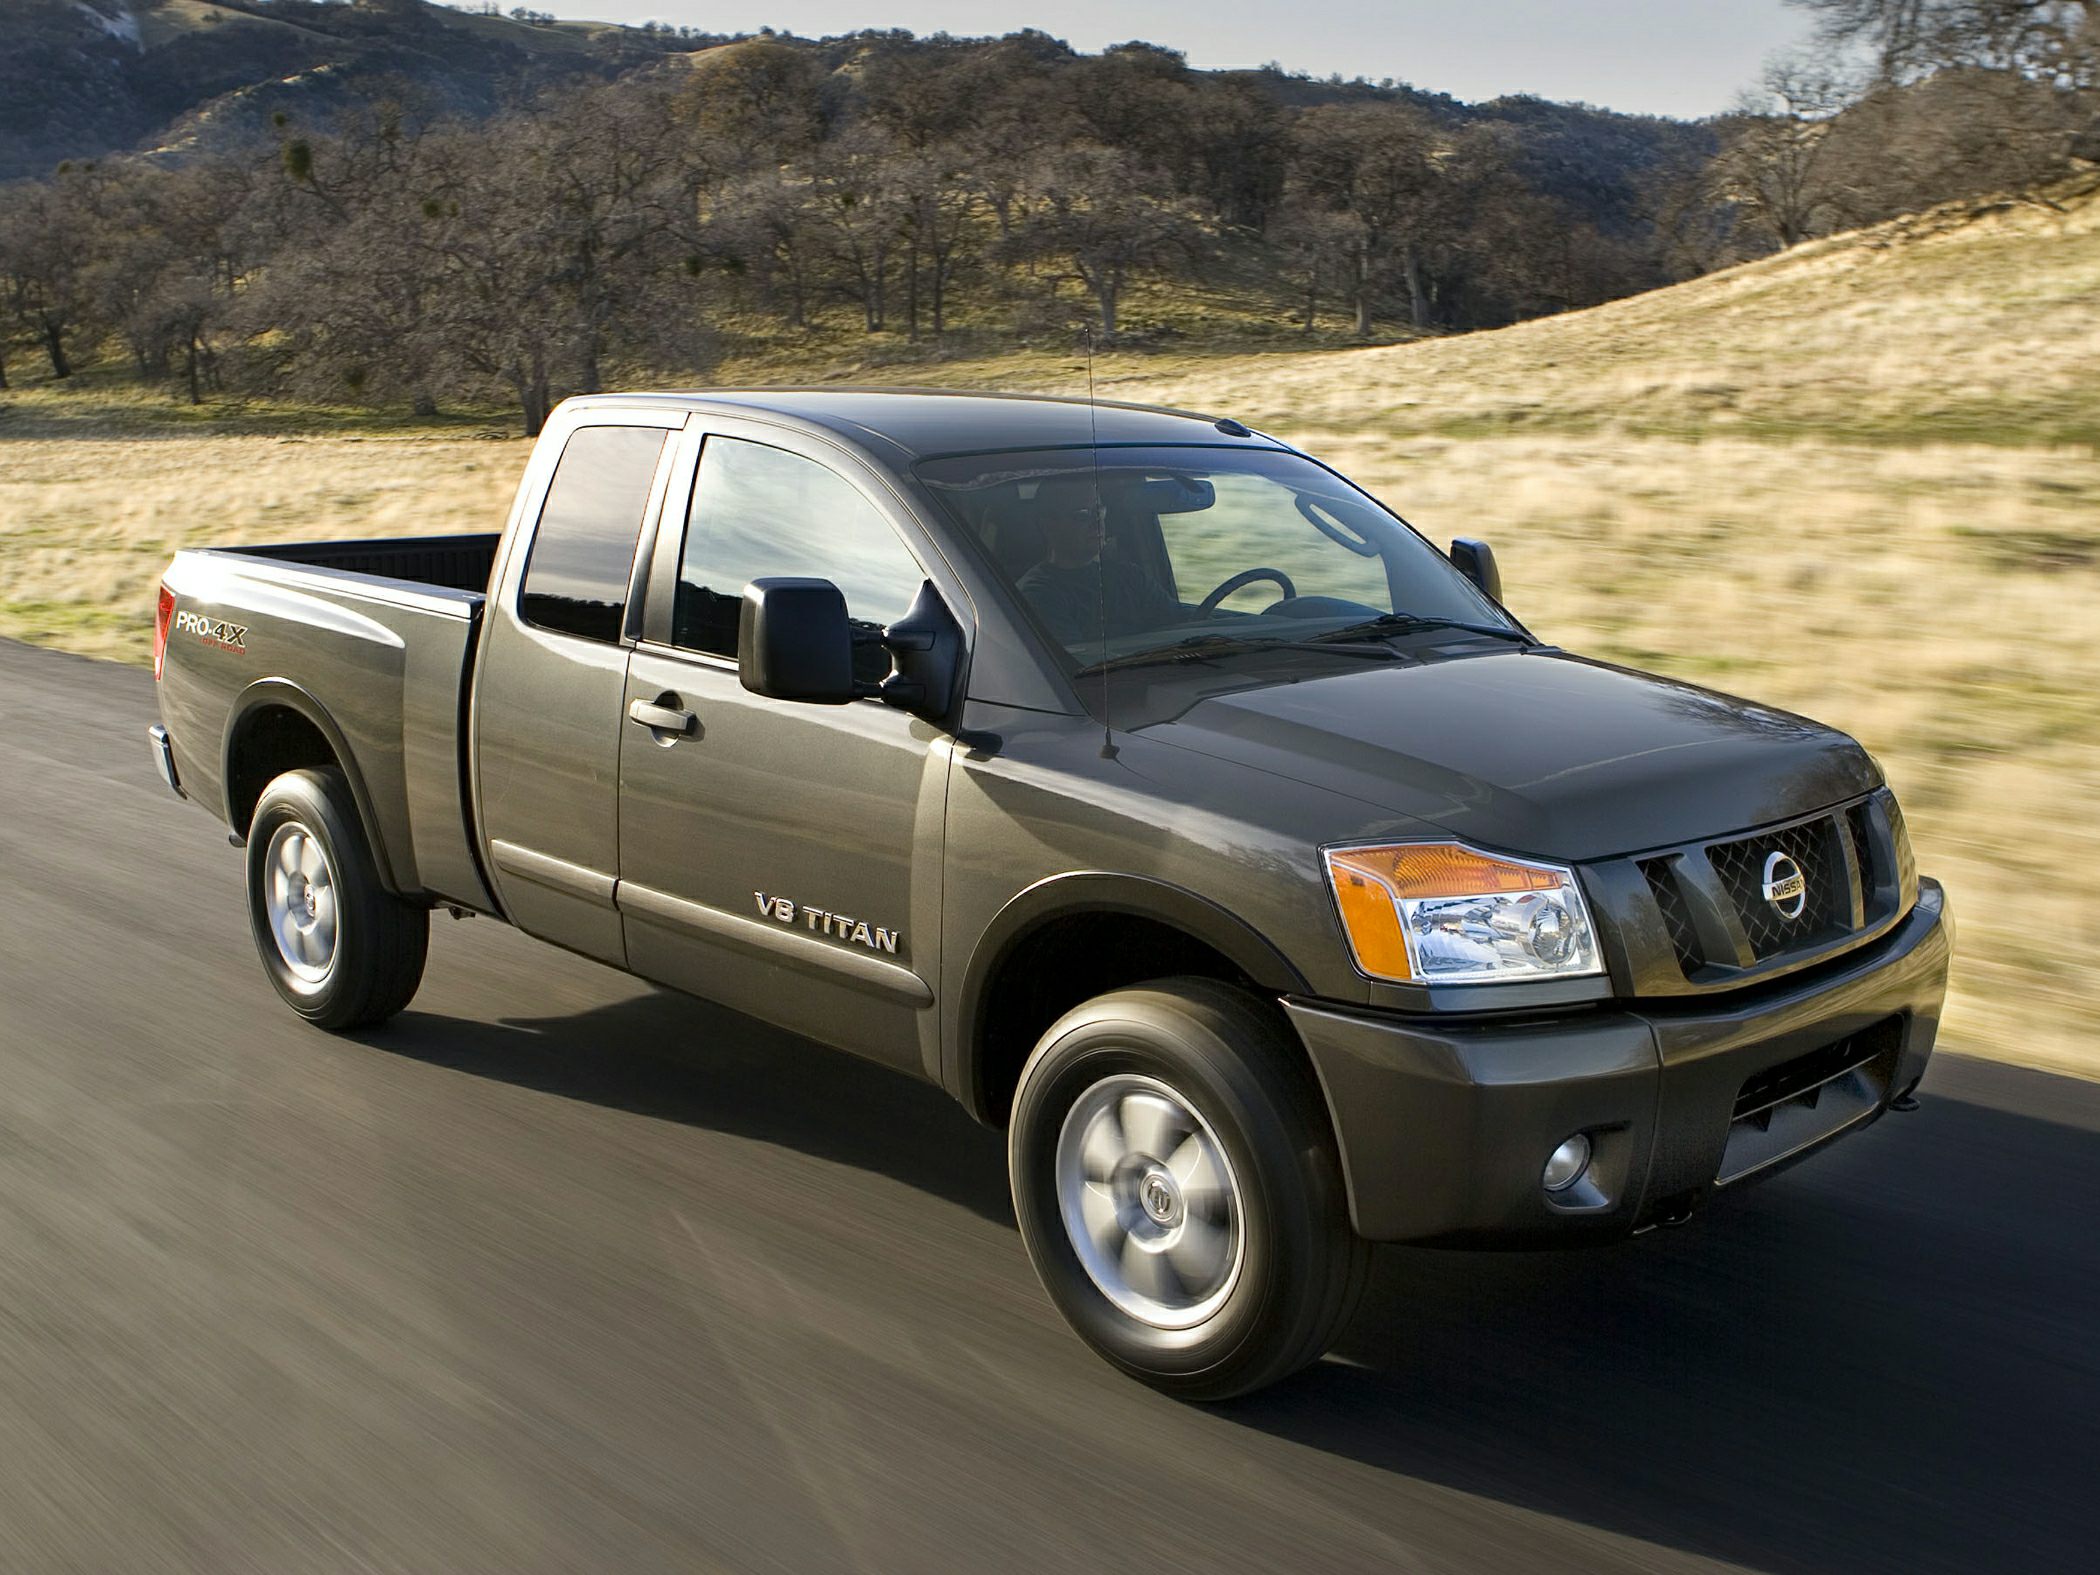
[1904,1103]
[1676,1211]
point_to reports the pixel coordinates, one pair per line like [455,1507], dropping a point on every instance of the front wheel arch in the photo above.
[1162,929]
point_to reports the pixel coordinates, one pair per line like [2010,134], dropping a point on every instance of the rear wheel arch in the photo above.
[1072,937]
[276,727]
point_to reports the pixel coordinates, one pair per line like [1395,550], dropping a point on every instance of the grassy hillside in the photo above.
[1860,480]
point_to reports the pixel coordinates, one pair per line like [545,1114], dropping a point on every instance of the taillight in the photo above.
[162,617]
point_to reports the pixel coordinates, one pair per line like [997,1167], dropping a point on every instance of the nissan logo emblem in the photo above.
[1785,888]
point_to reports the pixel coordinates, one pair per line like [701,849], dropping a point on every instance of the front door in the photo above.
[783,859]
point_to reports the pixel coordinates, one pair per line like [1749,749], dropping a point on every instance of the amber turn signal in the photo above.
[1441,912]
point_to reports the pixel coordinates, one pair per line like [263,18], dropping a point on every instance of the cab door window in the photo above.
[583,552]
[759,511]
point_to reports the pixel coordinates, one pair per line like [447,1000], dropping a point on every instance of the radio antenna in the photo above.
[1093,429]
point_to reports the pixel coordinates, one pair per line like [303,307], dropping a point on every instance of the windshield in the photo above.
[1209,548]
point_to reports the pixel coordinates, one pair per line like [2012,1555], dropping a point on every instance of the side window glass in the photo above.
[583,551]
[760,511]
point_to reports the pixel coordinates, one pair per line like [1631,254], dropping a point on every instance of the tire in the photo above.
[1205,1071]
[342,950]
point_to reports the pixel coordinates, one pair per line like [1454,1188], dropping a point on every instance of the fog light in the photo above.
[1565,1165]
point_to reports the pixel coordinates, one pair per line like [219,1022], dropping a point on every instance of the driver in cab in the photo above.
[1078,593]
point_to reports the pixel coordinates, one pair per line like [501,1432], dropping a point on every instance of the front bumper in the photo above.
[1445,1125]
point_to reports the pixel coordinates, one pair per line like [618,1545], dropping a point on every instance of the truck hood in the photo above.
[1535,752]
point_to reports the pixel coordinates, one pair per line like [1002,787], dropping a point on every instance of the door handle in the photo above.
[661,718]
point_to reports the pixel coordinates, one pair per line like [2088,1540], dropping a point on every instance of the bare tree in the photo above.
[1108,219]
[763,226]
[1319,247]
[1777,167]
[1378,163]
[2055,41]
[942,216]
[861,216]
[47,245]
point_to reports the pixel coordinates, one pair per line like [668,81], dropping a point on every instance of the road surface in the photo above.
[560,1272]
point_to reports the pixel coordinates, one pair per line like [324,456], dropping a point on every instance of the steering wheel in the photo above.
[1244,578]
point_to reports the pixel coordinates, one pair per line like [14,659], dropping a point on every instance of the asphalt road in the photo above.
[560,1272]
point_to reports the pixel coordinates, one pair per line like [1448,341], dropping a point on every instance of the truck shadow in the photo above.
[1887,1359]
[674,1058]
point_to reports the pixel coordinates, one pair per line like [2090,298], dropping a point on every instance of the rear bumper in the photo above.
[1445,1126]
[164,758]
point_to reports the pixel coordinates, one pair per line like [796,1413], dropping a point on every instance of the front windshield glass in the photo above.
[1199,546]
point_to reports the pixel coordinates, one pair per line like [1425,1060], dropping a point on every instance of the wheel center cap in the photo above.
[1160,1197]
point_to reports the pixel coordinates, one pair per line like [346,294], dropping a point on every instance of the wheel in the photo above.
[342,950]
[1176,1184]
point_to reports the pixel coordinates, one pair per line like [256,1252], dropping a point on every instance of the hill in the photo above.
[1971,323]
[84,78]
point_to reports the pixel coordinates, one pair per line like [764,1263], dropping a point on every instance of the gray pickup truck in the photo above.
[1127,773]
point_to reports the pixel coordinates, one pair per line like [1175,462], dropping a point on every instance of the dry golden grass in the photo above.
[1860,480]
[88,524]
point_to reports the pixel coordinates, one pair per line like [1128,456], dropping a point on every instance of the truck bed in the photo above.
[453,563]
[373,642]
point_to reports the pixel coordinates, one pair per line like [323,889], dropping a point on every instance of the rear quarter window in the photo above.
[583,551]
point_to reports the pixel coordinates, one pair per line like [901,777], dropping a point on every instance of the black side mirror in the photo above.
[927,644]
[795,641]
[1475,559]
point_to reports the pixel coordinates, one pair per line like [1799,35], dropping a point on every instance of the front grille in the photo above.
[1859,829]
[1827,907]
[1677,918]
[1711,900]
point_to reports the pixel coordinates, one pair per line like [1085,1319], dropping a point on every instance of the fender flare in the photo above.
[1093,892]
[267,693]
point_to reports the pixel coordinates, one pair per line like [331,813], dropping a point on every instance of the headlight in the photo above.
[1442,913]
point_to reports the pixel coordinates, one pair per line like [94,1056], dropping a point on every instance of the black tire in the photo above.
[1223,1055]
[378,941]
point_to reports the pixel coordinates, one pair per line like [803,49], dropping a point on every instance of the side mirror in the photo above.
[1475,559]
[794,642]
[927,645]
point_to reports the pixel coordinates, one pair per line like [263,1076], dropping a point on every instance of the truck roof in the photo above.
[929,423]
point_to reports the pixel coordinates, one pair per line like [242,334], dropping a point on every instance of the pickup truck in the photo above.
[1127,773]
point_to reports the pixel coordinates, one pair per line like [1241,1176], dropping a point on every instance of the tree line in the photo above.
[919,190]
[1897,105]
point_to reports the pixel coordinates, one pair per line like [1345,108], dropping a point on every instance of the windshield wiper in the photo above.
[1409,623]
[1202,647]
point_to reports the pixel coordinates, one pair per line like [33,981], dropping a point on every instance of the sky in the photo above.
[1664,57]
